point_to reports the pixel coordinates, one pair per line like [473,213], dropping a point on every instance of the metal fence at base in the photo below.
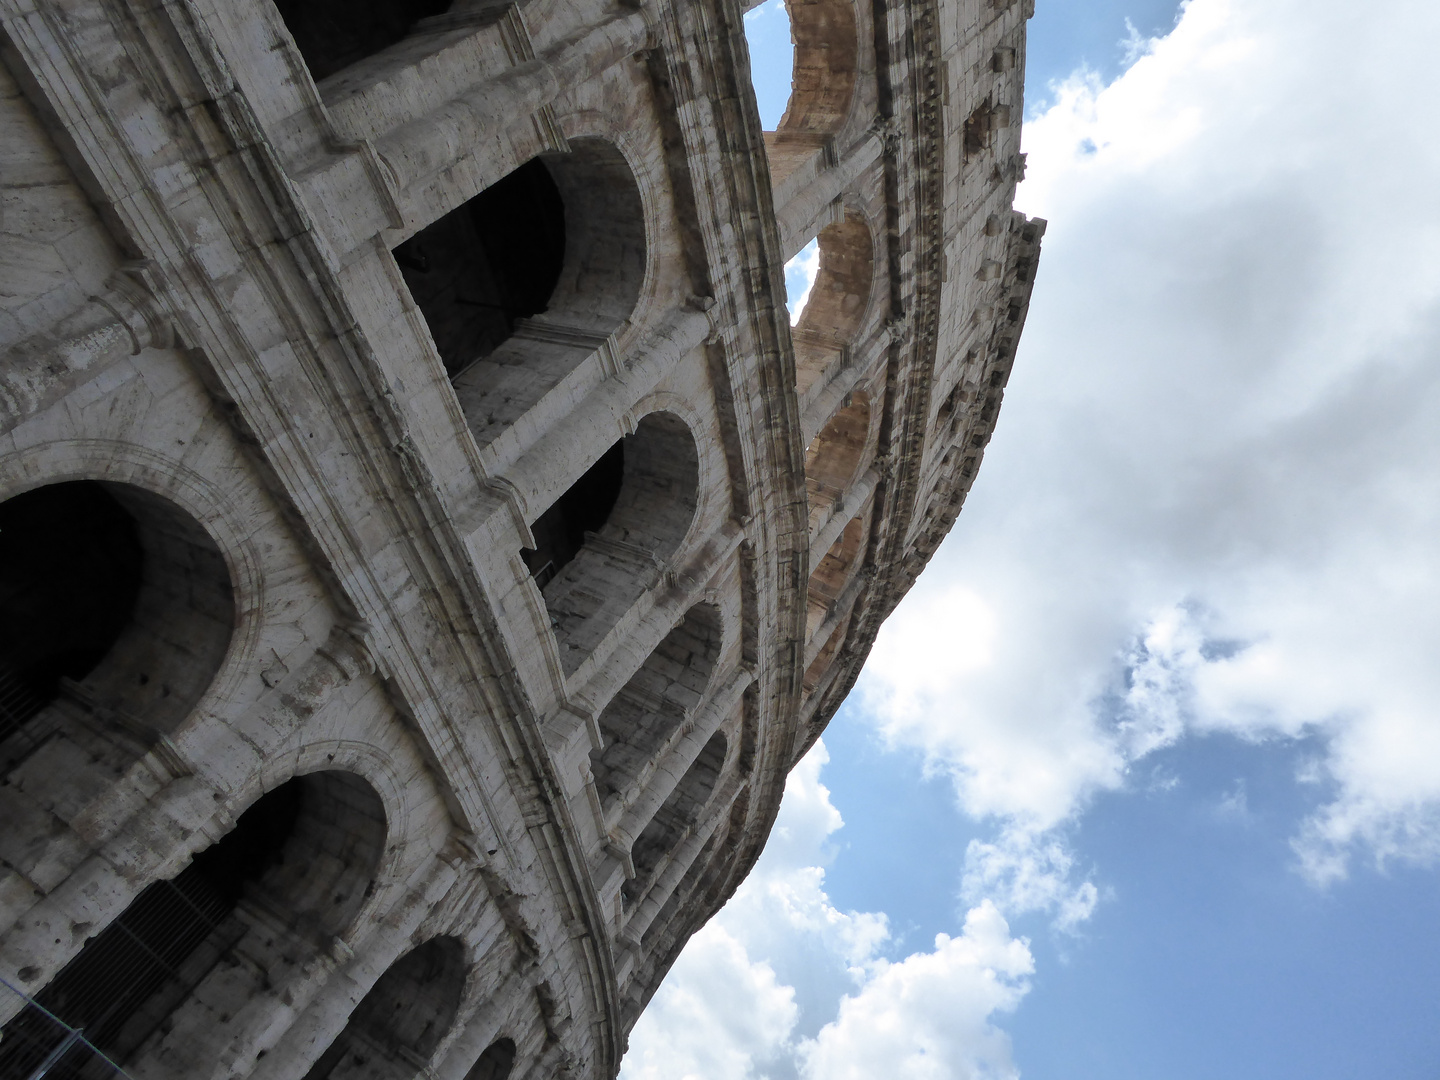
[36,1043]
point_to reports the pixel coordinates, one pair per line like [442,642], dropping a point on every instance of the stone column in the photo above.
[551,465]
[119,322]
[672,770]
[798,216]
[426,145]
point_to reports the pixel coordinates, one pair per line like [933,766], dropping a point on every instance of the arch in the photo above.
[495,1063]
[653,704]
[836,306]
[292,873]
[396,1027]
[116,612]
[650,481]
[333,34]
[833,573]
[833,457]
[676,816]
[816,669]
[528,278]
[826,59]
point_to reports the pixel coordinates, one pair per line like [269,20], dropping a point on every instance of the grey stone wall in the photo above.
[510,800]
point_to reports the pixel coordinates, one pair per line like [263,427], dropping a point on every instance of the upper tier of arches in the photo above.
[826,66]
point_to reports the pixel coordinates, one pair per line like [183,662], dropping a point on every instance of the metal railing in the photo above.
[37,1043]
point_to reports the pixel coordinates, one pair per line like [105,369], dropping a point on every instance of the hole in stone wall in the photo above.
[303,856]
[487,264]
[116,610]
[652,705]
[679,813]
[495,1063]
[396,1027]
[975,137]
[800,275]
[772,59]
[650,516]
[333,34]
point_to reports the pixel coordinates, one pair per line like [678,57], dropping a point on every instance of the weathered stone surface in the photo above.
[497,559]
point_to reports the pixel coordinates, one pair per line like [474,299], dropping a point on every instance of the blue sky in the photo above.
[1168,782]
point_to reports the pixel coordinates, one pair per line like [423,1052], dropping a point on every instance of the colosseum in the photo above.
[426,544]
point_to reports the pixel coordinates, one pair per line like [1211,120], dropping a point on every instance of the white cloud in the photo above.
[774,963]
[1212,500]
[800,279]
[714,1016]
[1026,870]
[928,1016]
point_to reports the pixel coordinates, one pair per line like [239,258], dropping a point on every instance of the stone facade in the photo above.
[425,544]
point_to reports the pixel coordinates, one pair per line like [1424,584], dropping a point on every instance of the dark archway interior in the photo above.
[560,531]
[70,571]
[306,850]
[333,34]
[131,975]
[495,1063]
[488,263]
[401,1021]
[117,590]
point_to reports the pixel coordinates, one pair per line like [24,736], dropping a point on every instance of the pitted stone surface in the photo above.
[501,544]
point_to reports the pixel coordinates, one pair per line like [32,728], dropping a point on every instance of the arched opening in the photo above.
[621,556]
[495,1063]
[837,300]
[291,874]
[530,277]
[487,264]
[648,710]
[333,34]
[822,81]
[584,508]
[836,568]
[676,816]
[833,458]
[395,1029]
[116,610]
[826,57]
[815,671]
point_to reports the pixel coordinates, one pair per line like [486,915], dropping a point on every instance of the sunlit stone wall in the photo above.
[425,544]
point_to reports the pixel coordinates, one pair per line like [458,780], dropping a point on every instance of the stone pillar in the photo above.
[797,218]
[663,780]
[547,468]
[119,322]
[424,146]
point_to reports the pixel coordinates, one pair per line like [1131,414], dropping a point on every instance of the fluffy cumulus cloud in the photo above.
[1212,501]
[754,993]
[717,1014]
[928,1016]
[800,279]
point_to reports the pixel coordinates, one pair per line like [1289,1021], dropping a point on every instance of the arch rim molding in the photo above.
[206,503]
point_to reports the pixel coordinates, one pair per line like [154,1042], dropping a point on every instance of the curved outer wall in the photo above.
[529,636]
